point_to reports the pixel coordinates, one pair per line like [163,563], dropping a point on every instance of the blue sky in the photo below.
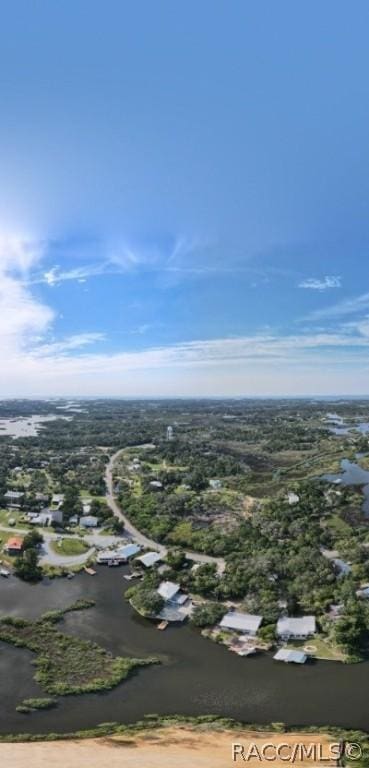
[184,198]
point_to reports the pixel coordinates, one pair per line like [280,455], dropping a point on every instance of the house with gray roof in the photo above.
[298,628]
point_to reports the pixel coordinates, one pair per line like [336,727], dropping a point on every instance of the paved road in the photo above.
[48,556]
[139,537]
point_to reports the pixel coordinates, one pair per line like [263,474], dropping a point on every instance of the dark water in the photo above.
[353,474]
[196,676]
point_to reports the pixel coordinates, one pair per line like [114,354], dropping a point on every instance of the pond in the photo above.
[195,677]
[26,426]
[352,474]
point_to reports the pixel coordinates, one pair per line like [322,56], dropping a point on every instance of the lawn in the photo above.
[69,546]
[323,649]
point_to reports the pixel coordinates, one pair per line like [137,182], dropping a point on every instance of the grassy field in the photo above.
[322,649]
[68,546]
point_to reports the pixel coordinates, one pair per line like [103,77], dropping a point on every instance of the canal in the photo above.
[195,677]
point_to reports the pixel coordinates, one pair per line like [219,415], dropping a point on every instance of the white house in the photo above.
[149,559]
[215,484]
[293,498]
[89,521]
[156,484]
[246,623]
[121,555]
[168,591]
[177,606]
[296,627]
[57,498]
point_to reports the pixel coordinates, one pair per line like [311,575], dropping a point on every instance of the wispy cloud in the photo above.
[355,305]
[69,344]
[325,284]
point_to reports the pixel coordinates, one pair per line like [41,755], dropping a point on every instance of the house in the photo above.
[364,592]
[14,545]
[149,559]
[298,628]
[42,497]
[89,521]
[293,498]
[168,591]
[14,498]
[177,606]
[57,499]
[342,567]
[156,484]
[215,484]
[246,623]
[128,550]
[288,655]
[74,520]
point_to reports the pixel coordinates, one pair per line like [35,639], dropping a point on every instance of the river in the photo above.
[196,676]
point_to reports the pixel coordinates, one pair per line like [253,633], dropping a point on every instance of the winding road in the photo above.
[139,537]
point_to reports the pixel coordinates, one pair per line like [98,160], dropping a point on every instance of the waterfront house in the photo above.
[297,628]
[14,545]
[289,655]
[121,555]
[177,606]
[246,623]
[149,559]
[168,590]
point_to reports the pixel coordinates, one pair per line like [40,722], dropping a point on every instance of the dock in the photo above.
[90,571]
[163,625]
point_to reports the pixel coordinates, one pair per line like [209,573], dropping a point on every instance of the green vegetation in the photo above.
[145,600]
[69,546]
[31,705]
[67,664]
[207,614]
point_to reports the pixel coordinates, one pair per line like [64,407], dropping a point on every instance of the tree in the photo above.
[177,560]
[147,601]
[207,614]
[32,540]
[27,567]
[72,503]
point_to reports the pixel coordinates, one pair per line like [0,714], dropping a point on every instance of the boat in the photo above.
[113,563]
[4,572]
[70,575]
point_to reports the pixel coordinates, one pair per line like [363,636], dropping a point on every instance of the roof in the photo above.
[286,654]
[128,550]
[14,494]
[245,622]
[303,625]
[149,559]
[168,589]
[88,520]
[15,542]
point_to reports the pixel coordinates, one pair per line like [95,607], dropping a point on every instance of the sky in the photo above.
[184,198]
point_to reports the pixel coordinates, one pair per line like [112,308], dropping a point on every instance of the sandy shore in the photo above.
[182,747]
